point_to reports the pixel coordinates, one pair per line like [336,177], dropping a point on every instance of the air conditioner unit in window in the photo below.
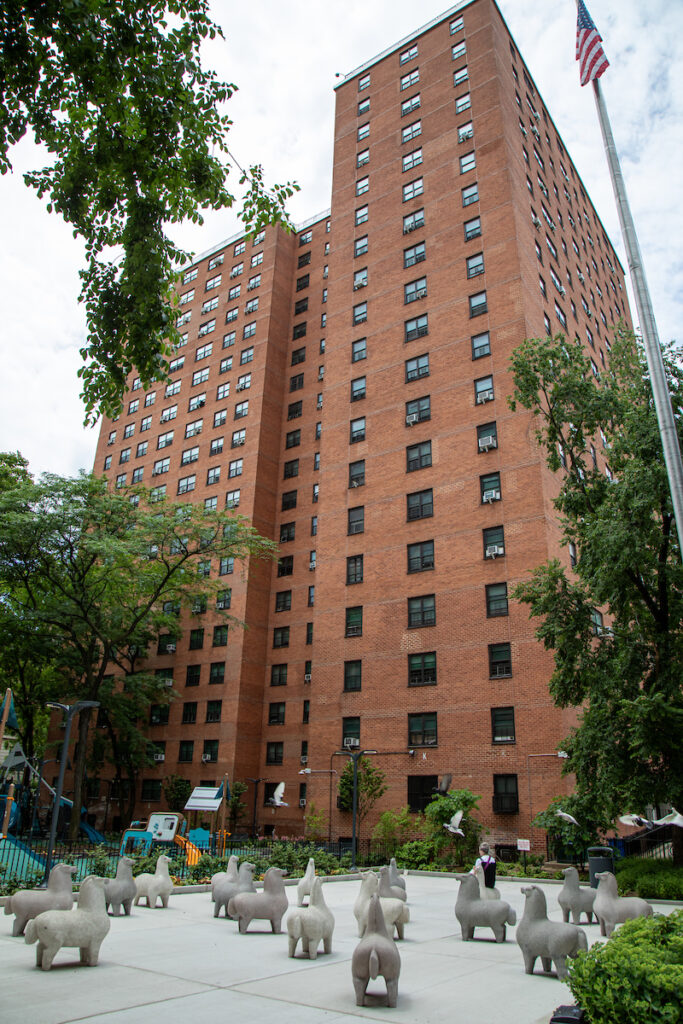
[581,277]
[562,290]
[536,222]
[200,403]
[421,293]
[351,741]
[170,649]
[411,419]
[494,550]
[160,757]
[311,566]
[321,374]
[241,387]
[485,396]
[491,495]
[250,287]
[302,801]
[523,130]
[231,504]
[304,758]
[319,405]
[359,284]
[536,133]
[408,228]
[355,483]
[307,677]
[537,115]
[589,314]
[240,441]
[111,441]
[487,442]
[354,630]
[206,758]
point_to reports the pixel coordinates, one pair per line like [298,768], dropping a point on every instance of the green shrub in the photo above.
[650,878]
[416,854]
[637,976]
[13,883]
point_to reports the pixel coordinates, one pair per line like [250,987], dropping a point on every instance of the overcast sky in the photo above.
[284,57]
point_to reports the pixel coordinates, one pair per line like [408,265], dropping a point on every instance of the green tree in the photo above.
[236,805]
[395,828]
[568,837]
[115,92]
[371,786]
[601,438]
[13,470]
[439,812]
[316,823]
[102,576]
[176,792]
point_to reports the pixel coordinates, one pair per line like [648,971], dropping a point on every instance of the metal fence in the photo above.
[25,861]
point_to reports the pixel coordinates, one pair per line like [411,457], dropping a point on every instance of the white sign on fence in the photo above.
[524,844]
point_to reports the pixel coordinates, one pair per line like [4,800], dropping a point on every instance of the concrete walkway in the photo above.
[181,964]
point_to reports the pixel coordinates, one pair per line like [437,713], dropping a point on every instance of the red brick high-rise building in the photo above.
[346,388]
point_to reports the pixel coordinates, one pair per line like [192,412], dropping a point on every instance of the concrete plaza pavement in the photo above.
[181,964]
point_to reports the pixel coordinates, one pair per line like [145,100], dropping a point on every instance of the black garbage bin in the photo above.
[600,858]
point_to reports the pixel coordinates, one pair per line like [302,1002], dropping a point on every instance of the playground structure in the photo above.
[161,832]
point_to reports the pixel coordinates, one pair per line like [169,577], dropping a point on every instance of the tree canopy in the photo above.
[613,622]
[115,92]
[371,785]
[90,581]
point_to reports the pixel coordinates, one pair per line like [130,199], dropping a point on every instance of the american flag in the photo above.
[589,51]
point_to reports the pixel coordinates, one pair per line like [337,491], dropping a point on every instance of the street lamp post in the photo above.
[69,710]
[355,758]
[256,782]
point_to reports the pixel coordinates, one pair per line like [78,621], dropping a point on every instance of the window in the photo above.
[161,466]
[421,789]
[418,327]
[360,279]
[470,194]
[362,186]
[418,456]
[356,520]
[410,105]
[412,78]
[352,675]
[276,713]
[296,382]
[357,430]
[145,423]
[422,669]
[354,621]
[186,484]
[158,714]
[291,469]
[312,560]
[505,795]
[502,725]
[357,473]
[220,636]
[189,455]
[287,532]
[107,461]
[465,132]
[354,569]
[298,355]
[415,254]
[285,565]
[289,500]
[190,275]
[316,493]
[314,526]
[573,557]
[467,163]
[172,389]
[360,246]
[214,707]
[257,258]
[413,189]
[364,107]
[421,556]
[293,439]
[409,54]
[361,215]
[478,304]
[363,131]
[281,636]
[420,505]
[196,639]
[278,675]
[187,297]
[473,230]
[460,76]
[413,221]
[197,402]
[463,103]
[490,487]
[235,468]
[359,350]
[350,731]
[456,26]
[496,599]
[411,131]
[157,493]
[500,661]
[226,566]
[186,750]
[249,330]
[274,753]
[360,313]
[124,455]
[358,389]
[421,611]
[483,390]
[415,290]
[494,542]
[422,730]
[363,158]
[206,328]
[475,265]
[458,51]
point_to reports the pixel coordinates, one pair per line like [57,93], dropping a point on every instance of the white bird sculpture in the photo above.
[276,799]
[567,817]
[674,817]
[636,820]
[453,826]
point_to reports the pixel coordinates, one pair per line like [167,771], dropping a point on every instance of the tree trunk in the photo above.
[79,772]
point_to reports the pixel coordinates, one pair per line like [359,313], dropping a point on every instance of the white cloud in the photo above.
[284,58]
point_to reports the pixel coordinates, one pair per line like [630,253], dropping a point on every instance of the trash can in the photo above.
[600,858]
[568,1015]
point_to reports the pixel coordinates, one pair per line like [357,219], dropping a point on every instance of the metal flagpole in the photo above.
[648,326]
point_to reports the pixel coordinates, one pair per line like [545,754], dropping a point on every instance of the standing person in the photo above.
[488,863]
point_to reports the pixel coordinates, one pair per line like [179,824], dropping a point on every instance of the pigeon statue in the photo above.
[276,799]
[637,820]
[672,818]
[453,826]
[567,817]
